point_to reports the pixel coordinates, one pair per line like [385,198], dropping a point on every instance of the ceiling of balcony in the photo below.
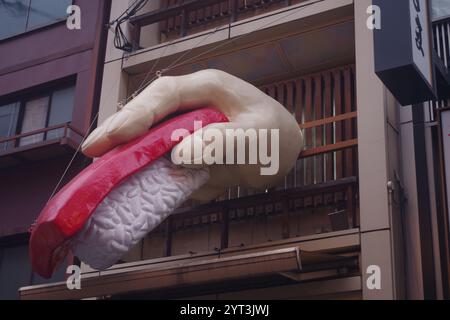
[289,56]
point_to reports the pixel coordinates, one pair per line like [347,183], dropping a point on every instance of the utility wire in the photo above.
[121,41]
[139,4]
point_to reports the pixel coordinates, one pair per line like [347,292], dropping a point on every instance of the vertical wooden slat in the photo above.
[338,129]
[193,17]
[290,97]
[216,10]
[299,106]
[351,214]
[171,20]
[224,228]
[184,24]
[309,169]
[233,193]
[289,104]
[208,12]
[318,135]
[318,106]
[201,14]
[272,92]
[354,121]
[163,25]
[224,7]
[233,8]
[179,19]
[241,4]
[348,123]
[299,93]
[169,231]
[329,157]
[280,95]
[285,233]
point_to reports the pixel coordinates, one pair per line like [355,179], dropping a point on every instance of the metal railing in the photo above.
[338,197]
[441,32]
[178,17]
[441,44]
[11,144]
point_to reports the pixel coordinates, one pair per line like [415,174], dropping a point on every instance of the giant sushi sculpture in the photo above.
[135,182]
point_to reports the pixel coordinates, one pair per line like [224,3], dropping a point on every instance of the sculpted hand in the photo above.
[245,106]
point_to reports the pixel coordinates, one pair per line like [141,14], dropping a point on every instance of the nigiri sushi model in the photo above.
[134,184]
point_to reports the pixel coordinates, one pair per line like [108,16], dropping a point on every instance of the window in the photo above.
[13,17]
[44,12]
[61,110]
[34,118]
[15,272]
[8,123]
[441,9]
[19,16]
[47,110]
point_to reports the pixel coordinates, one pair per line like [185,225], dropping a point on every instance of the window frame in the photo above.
[30,30]
[26,97]
[5,146]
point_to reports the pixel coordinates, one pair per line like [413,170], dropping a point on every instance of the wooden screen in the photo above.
[324,105]
[214,15]
[319,195]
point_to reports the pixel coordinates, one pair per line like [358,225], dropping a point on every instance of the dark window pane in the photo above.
[60,111]
[58,276]
[15,271]
[8,123]
[13,17]
[441,9]
[44,12]
[34,119]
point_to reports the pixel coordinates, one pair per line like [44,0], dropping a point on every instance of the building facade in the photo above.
[50,76]
[363,215]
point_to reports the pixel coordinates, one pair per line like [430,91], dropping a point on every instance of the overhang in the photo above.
[290,264]
[292,40]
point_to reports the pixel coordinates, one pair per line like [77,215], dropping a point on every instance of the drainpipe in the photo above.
[423,201]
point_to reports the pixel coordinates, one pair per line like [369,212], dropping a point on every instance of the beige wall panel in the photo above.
[371,128]
[377,252]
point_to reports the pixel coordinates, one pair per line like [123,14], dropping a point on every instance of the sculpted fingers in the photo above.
[166,95]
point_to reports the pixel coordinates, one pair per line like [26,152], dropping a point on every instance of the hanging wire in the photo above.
[159,73]
[121,41]
[175,64]
[74,156]
[137,5]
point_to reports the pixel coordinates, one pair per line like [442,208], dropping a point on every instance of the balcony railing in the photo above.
[441,30]
[179,18]
[22,147]
[441,44]
[337,199]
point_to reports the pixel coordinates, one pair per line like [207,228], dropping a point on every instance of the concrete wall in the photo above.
[378,165]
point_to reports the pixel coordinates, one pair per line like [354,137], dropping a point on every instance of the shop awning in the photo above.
[287,262]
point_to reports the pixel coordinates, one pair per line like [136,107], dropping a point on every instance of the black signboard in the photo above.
[403,50]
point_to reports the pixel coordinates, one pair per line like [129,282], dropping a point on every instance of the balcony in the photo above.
[180,18]
[441,32]
[39,144]
[441,44]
